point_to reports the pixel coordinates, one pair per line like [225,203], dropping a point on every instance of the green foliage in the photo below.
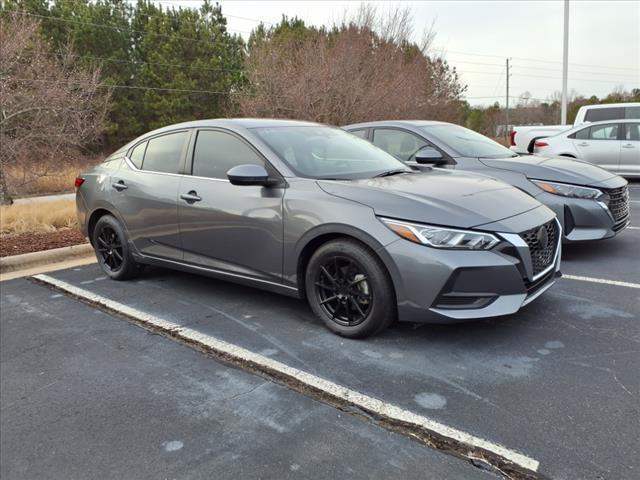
[144,45]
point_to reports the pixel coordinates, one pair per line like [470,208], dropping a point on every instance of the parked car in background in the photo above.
[522,138]
[613,145]
[312,211]
[591,203]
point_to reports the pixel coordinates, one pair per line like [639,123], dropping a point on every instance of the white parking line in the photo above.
[339,392]
[633,228]
[601,280]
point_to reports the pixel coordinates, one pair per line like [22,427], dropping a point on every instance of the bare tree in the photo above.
[363,69]
[49,107]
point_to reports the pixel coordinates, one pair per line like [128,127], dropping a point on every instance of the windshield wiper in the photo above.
[388,173]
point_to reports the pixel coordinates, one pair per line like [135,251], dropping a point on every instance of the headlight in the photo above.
[566,190]
[440,237]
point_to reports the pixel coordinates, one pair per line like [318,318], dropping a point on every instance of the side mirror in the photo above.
[249,175]
[429,155]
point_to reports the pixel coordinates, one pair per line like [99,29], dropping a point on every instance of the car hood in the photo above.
[566,170]
[438,197]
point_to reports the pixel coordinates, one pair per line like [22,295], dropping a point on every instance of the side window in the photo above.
[632,131]
[632,112]
[600,114]
[362,133]
[216,152]
[163,153]
[582,134]
[138,154]
[402,145]
[604,132]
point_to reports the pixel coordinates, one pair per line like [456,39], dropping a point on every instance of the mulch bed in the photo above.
[18,243]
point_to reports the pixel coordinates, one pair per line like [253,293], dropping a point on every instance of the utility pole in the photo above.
[507,102]
[565,65]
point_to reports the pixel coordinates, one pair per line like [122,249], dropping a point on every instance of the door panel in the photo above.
[149,209]
[145,193]
[601,147]
[237,229]
[233,228]
[630,150]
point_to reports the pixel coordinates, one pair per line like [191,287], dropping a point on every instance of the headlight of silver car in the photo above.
[567,190]
[441,237]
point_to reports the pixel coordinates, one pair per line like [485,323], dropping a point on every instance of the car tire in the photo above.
[112,249]
[349,288]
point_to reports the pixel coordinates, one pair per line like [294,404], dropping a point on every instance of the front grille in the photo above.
[542,245]
[619,203]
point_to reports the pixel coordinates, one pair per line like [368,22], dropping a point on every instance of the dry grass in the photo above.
[37,178]
[38,217]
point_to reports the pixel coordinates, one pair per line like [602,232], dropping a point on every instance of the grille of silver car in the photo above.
[619,203]
[542,245]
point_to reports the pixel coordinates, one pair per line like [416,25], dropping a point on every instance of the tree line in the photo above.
[82,77]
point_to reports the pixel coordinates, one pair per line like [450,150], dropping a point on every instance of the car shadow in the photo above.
[488,332]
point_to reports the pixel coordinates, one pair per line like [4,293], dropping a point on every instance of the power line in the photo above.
[135,87]
[118,29]
[142,62]
[538,60]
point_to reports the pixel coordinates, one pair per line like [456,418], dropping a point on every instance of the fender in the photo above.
[337,230]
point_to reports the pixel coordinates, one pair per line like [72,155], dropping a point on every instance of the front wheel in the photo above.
[348,287]
[112,250]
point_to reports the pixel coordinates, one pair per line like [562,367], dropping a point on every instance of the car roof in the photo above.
[230,123]
[611,105]
[602,122]
[239,122]
[396,123]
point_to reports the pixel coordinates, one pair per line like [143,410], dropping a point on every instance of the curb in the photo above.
[46,257]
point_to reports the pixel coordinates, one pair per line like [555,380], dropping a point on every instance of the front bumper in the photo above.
[449,286]
[585,220]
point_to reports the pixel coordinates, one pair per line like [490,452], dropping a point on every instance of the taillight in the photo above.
[538,143]
[78,183]
[512,138]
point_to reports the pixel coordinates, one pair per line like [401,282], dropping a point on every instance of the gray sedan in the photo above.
[590,202]
[312,211]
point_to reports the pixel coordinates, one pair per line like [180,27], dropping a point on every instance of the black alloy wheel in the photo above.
[343,291]
[349,288]
[109,247]
[112,249]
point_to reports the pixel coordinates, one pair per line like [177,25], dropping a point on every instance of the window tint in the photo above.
[402,145]
[582,134]
[604,132]
[163,153]
[216,152]
[360,133]
[138,154]
[325,152]
[632,112]
[599,114]
[465,142]
[632,131]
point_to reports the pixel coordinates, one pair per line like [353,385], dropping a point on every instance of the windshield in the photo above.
[328,153]
[467,143]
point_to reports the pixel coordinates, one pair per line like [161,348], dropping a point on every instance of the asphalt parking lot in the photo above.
[86,394]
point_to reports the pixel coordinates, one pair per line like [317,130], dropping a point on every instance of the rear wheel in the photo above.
[112,249]
[349,288]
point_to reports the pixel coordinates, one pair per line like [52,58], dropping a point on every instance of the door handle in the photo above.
[628,145]
[119,185]
[190,197]
[583,144]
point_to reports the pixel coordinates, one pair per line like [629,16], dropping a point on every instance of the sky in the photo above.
[478,36]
